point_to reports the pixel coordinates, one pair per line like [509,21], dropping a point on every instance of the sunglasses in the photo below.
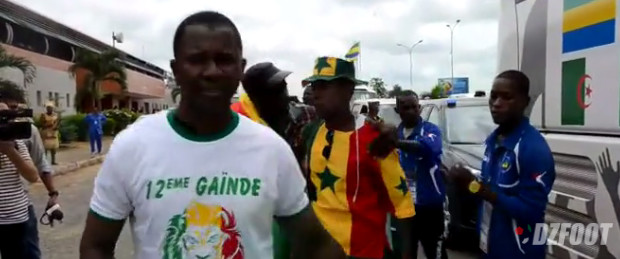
[327,150]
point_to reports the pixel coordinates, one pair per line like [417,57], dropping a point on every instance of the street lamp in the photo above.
[410,49]
[116,37]
[452,49]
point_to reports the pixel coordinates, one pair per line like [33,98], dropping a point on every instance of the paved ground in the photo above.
[62,241]
[79,151]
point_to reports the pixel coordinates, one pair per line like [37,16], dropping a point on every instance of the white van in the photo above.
[569,50]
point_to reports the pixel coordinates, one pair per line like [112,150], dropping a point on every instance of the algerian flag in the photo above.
[589,62]
[576,91]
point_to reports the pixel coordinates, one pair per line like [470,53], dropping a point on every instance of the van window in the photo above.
[426,110]
[468,124]
[388,114]
[433,116]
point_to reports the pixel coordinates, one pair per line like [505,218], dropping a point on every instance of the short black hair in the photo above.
[210,19]
[519,79]
[406,93]
[10,91]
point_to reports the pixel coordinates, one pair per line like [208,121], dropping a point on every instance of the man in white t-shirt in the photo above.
[201,181]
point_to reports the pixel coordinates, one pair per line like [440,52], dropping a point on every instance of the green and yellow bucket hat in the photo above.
[330,68]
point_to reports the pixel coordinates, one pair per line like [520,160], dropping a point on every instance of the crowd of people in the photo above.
[269,178]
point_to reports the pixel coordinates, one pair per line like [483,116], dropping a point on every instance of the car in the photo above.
[465,123]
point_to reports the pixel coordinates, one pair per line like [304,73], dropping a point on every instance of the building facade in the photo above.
[52,48]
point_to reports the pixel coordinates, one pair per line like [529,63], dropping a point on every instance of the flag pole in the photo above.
[360,59]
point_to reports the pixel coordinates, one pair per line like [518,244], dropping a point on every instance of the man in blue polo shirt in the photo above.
[95,121]
[419,143]
[517,174]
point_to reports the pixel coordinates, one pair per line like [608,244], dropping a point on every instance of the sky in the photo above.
[292,34]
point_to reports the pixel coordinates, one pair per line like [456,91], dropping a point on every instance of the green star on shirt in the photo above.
[328,179]
[402,186]
[320,64]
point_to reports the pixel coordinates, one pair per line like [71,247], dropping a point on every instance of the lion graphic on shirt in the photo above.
[202,231]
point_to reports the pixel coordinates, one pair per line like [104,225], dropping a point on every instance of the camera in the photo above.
[10,126]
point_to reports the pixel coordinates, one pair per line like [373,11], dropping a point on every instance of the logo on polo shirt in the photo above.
[506,163]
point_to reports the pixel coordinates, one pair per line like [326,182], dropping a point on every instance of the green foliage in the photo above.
[396,91]
[67,131]
[100,68]
[25,66]
[378,86]
[121,118]
[77,125]
[109,128]
[438,92]
[74,127]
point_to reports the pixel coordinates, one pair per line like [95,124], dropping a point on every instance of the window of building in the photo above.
[59,49]
[57,99]
[28,39]
[4,31]
[68,100]
[50,97]
[39,99]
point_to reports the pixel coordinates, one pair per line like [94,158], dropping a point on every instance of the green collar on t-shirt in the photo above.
[188,134]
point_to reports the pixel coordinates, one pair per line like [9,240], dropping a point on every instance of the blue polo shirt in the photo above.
[95,123]
[423,166]
[520,170]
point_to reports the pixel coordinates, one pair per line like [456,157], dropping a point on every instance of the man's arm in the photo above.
[22,162]
[37,153]
[110,204]
[429,144]
[536,177]
[99,237]
[308,237]
[399,198]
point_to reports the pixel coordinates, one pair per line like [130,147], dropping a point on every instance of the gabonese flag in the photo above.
[588,29]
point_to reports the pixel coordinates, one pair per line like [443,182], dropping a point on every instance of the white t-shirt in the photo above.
[193,196]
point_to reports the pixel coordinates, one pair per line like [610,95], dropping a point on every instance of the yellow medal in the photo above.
[474,186]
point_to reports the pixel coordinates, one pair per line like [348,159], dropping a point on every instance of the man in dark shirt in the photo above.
[266,101]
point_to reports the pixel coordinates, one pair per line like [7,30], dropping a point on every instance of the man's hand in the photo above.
[7,147]
[460,175]
[309,239]
[53,200]
[20,159]
[386,141]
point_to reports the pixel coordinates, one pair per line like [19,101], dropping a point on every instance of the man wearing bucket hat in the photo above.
[266,101]
[353,183]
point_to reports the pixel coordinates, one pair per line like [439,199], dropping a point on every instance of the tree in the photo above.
[98,67]
[397,90]
[438,92]
[378,86]
[25,66]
